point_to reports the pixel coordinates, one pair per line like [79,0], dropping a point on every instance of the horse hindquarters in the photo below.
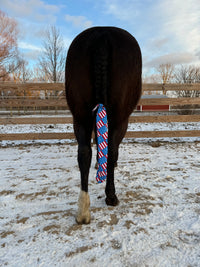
[103,67]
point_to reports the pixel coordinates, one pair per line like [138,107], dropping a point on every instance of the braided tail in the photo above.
[101,81]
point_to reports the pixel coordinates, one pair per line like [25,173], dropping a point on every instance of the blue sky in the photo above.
[168,31]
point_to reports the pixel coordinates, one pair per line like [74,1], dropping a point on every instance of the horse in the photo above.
[103,65]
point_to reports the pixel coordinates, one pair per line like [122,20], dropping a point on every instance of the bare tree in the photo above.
[9,55]
[187,74]
[38,75]
[23,73]
[52,58]
[166,72]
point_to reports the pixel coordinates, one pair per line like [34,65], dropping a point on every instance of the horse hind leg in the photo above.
[115,137]
[83,135]
[84,160]
[111,198]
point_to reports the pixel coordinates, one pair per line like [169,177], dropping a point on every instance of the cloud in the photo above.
[180,20]
[179,24]
[167,27]
[67,41]
[158,43]
[79,21]
[198,54]
[126,10]
[27,46]
[31,9]
[29,51]
[173,58]
[31,55]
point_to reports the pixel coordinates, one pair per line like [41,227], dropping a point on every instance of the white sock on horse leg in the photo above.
[83,215]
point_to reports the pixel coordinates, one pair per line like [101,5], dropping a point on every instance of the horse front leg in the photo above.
[83,135]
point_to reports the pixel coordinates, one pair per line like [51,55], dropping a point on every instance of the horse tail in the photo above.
[101,74]
[101,63]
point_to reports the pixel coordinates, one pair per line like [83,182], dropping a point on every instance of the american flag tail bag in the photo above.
[102,142]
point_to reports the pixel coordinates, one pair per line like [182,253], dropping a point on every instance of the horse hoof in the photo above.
[112,201]
[83,219]
[83,215]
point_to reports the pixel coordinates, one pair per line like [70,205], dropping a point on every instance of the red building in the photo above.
[155,107]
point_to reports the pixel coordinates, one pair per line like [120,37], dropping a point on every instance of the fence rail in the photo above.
[171,87]
[25,95]
[59,101]
[61,86]
[129,134]
[132,119]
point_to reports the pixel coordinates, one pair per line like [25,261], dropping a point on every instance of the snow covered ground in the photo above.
[157,222]
[10,128]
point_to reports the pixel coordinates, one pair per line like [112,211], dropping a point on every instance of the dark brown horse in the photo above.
[103,65]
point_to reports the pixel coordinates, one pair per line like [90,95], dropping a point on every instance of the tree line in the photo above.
[183,74]
[169,73]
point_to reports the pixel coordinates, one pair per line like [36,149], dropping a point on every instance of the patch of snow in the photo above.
[24,128]
[157,222]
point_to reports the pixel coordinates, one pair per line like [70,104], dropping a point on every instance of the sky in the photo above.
[168,31]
